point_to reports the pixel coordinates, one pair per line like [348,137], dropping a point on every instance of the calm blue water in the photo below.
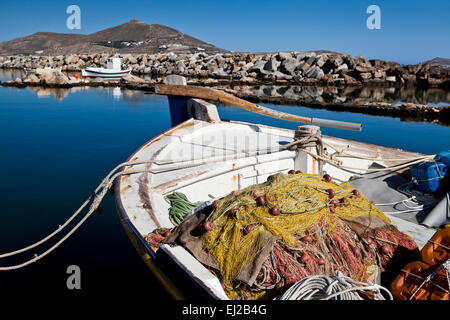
[55,151]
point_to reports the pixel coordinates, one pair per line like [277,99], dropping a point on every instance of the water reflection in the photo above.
[11,74]
[359,95]
[116,93]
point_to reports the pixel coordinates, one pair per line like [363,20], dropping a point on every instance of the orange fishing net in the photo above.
[309,215]
[261,240]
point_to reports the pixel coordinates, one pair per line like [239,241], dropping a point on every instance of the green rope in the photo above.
[180,206]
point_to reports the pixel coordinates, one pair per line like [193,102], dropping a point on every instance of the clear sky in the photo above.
[411,30]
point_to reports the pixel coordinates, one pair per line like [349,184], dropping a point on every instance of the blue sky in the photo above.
[411,30]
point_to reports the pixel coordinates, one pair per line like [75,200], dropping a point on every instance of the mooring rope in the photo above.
[341,152]
[336,287]
[105,186]
[340,165]
[96,197]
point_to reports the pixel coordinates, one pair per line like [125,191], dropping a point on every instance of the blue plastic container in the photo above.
[443,157]
[430,176]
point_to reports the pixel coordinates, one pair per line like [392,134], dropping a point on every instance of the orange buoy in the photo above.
[413,275]
[76,75]
[411,278]
[436,251]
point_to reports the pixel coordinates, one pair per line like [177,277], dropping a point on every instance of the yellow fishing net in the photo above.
[286,206]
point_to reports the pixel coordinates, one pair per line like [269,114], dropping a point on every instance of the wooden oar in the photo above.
[228,99]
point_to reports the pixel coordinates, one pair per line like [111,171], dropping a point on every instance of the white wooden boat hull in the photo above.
[140,197]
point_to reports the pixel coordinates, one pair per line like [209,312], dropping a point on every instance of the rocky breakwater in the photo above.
[55,78]
[250,68]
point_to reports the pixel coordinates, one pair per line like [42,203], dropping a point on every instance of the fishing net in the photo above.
[261,240]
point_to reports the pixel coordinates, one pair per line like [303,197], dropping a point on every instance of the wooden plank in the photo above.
[228,99]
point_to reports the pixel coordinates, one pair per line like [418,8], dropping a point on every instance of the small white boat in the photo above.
[113,70]
[204,156]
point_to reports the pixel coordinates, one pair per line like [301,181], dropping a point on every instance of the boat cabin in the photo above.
[114,63]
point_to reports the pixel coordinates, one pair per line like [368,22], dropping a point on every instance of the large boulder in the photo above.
[342,67]
[272,65]
[219,73]
[129,59]
[212,66]
[240,74]
[31,78]
[281,56]
[58,78]
[314,73]
[289,65]
[44,74]
[379,74]
[349,80]
[179,68]
[52,76]
[361,69]
[365,75]
[258,67]
[281,76]
[304,66]
[319,61]
[130,79]
[310,58]
[349,61]
[391,79]
[73,59]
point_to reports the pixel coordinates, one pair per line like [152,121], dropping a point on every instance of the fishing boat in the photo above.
[206,158]
[113,70]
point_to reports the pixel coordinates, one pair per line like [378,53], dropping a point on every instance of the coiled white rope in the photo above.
[419,200]
[336,287]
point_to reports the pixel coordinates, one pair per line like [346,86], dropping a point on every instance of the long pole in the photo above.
[228,99]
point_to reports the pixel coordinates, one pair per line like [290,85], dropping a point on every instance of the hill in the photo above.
[439,62]
[131,37]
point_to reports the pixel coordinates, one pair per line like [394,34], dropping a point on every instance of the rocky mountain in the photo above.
[439,62]
[131,37]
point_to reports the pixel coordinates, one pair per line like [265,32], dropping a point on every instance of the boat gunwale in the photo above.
[134,234]
[118,200]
